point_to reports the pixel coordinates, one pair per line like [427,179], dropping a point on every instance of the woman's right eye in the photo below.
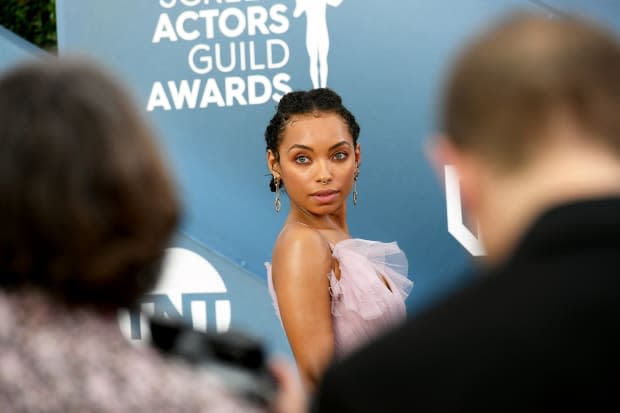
[302,159]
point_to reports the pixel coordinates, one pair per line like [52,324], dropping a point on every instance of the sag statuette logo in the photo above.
[317,36]
[189,289]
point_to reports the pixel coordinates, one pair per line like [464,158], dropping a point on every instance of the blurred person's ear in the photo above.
[442,153]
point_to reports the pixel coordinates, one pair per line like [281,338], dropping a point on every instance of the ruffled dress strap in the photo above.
[365,269]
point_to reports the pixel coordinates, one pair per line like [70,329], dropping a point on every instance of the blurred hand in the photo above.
[291,397]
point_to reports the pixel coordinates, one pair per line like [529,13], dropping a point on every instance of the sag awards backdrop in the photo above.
[208,73]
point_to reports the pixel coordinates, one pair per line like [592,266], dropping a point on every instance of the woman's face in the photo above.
[317,162]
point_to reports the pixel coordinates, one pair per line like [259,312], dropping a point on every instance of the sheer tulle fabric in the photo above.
[362,304]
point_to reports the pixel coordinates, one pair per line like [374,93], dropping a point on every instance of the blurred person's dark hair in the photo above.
[87,203]
[506,86]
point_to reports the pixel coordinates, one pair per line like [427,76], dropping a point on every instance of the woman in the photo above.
[87,210]
[332,292]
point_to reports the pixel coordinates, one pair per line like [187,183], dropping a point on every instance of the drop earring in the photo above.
[277,204]
[357,173]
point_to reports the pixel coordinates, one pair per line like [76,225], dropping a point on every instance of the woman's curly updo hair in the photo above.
[321,100]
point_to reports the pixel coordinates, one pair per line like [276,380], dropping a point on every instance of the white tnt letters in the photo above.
[190,289]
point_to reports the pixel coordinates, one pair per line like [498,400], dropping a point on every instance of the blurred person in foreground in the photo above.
[531,122]
[87,210]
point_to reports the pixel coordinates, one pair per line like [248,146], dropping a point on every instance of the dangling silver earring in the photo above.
[277,204]
[357,173]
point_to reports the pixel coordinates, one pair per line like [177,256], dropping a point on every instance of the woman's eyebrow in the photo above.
[300,147]
[339,144]
[297,145]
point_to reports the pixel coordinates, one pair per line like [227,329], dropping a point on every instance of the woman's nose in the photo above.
[324,174]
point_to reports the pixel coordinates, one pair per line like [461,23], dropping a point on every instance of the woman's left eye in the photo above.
[339,156]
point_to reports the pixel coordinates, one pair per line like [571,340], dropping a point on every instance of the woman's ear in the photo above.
[273,163]
[358,155]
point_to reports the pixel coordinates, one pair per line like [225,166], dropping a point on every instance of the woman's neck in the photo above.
[335,221]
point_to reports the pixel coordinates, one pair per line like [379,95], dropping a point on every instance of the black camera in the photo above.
[235,358]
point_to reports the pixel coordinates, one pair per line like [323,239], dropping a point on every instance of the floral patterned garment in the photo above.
[54,359]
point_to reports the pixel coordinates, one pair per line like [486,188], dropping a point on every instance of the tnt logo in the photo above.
[190,289]
[455,214]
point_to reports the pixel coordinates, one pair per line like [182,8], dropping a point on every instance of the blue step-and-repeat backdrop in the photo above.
[209,73]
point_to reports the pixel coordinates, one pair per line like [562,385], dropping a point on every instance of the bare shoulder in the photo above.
[301,251]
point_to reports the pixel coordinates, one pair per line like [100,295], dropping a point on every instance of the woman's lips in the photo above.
[326,196]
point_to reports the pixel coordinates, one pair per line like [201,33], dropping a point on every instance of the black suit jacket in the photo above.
[538,333]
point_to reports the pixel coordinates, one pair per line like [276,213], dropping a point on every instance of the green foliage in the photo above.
[34,20]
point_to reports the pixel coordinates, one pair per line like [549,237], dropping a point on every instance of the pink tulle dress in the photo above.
[362,305]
